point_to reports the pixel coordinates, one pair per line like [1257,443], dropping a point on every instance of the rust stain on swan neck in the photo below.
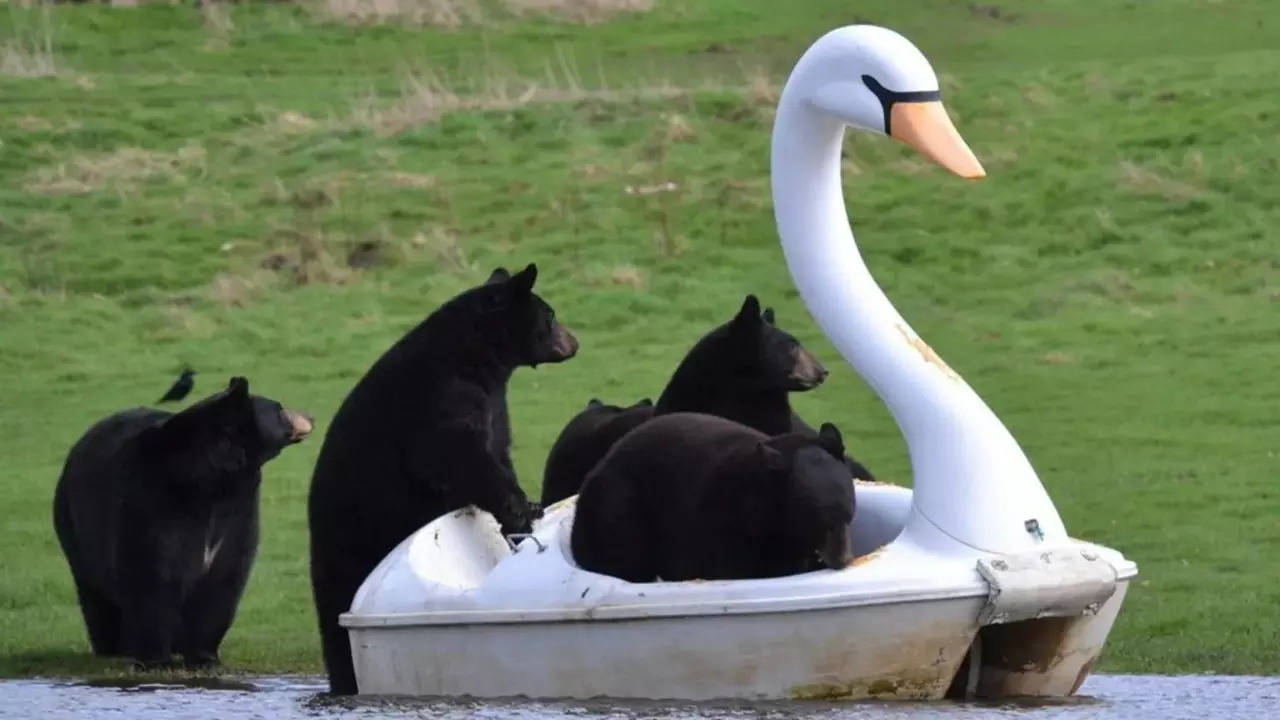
[927,352]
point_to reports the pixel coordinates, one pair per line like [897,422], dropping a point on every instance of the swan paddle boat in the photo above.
[966,585]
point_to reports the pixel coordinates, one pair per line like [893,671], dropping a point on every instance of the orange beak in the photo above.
[926,127]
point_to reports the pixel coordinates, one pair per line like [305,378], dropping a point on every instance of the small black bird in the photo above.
[181,387]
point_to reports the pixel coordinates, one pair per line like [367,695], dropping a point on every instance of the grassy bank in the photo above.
[179,186]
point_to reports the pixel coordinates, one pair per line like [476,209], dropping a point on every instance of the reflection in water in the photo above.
[1122,697]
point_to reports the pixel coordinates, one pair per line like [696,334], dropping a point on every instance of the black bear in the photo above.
[157,514]
[743,370]
[424,432]
[585,440]
[687,496]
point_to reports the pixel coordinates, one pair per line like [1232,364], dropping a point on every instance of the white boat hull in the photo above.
[836,652]
[452,612]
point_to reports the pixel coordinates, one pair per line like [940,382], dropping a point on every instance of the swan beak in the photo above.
[926,127]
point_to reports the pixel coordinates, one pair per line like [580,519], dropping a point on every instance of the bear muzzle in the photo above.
[806,372]
[836,551]
[300,425]
[563,344]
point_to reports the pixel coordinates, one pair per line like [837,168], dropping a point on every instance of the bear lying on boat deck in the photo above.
[742,370]
[585,440]
[688,496]
[424,432]
[157,514]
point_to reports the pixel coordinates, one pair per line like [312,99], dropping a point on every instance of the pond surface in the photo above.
[1123,697]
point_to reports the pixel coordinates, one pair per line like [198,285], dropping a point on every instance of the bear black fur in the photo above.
[423,433]
[585,440]
[687,496]
[743,371]
[157,514]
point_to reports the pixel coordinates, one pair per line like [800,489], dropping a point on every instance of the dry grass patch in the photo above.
[216,18]
[234,291]
[628,276]
[20,58]
[431,13]
[417,181]
[1148,182]
[442,245]
[425,99]
[450,14]
[29,53]
[120,170]
[580,11]
[303,258]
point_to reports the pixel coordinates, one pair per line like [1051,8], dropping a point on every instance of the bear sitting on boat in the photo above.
[742,370]
[692,496]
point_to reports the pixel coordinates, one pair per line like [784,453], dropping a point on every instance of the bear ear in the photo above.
[749,314]
[767,316]
[830,439]
[594,403]
[499,274]
[522,282]
[770,458]
[238,387]
[645,402]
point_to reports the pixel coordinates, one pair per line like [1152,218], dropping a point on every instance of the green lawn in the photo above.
[1111,289]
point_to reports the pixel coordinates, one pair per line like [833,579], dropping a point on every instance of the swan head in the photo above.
[874,79]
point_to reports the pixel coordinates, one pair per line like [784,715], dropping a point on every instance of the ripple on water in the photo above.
[1123,697]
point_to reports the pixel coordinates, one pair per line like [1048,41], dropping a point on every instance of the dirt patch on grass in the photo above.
[120,169]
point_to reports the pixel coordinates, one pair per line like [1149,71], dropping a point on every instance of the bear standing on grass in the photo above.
[157,514]
[423,433]
[690,496]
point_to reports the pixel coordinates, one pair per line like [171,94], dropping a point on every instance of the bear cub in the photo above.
[157,514]
[424,432]
[743,371]
[585,440]
[691,496]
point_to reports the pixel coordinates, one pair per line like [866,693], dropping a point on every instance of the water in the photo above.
[1122,697]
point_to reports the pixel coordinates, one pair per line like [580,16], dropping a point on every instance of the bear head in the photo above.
[520,327]
[227,432]
[815,493]
[771,357]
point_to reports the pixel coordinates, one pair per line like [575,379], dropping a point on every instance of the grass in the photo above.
[194,186]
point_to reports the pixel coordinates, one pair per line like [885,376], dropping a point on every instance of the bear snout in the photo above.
[806,372]
[836,551]
[563,344]
[300,425]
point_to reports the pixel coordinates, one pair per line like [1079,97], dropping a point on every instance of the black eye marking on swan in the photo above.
[888,97]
